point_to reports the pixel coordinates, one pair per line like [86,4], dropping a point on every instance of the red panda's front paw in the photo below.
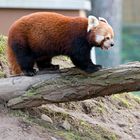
[30,72]
[98,66]
[93,68]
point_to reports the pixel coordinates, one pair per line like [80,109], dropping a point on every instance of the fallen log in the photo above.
[68,85]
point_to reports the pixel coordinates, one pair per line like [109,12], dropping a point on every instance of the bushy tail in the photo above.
[13,65]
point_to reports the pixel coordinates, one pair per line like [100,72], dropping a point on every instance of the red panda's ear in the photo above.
[103,19]
[92,22]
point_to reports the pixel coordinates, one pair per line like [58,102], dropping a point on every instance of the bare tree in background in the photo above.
[112,11]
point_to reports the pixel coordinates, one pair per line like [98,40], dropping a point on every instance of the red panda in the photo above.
[38,37]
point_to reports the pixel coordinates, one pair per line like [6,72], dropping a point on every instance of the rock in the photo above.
[122,125]
[53,138]
[66,125]
[46,118]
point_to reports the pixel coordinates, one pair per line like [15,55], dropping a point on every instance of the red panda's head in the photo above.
[100,32]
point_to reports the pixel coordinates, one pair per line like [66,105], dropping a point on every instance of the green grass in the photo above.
[81,131]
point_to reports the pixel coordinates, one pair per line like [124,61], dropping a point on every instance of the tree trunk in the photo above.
[112,11]
[68,85]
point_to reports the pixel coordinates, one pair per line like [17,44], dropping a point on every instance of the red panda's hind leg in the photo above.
[24,58]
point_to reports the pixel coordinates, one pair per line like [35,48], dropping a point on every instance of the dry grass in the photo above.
[3,60]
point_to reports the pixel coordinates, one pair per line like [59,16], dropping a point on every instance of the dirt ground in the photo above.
[119,114]
[14,128]
[115,116]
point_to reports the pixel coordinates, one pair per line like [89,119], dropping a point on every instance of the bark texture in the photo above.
[68,85]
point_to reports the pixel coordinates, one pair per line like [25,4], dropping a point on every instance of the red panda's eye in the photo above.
[107,38]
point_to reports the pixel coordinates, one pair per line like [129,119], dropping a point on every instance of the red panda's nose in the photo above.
[112,44]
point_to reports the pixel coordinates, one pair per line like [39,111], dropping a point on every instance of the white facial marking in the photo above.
[99,38]
[107,44]
[108,36]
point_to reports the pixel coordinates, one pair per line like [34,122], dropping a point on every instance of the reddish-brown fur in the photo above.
[37,33]
[37,37]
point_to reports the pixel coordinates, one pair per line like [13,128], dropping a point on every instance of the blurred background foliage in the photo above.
[131,44]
